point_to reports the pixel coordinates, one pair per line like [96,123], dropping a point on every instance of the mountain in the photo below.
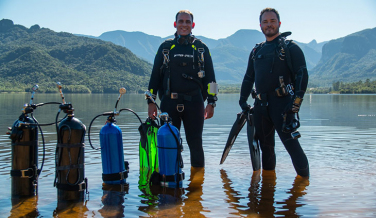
[110,61]
[141,44]
[348,59]
[316,46]
[230,55]
[42,56]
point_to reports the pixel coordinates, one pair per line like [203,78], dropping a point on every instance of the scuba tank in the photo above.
[169,152]
[70,178]
[24,136]
[115,169]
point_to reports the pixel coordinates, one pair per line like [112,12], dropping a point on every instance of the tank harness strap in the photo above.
[172,178]
[201,73]
[71,166]
[115,176]
[285,52]
[28,143]
[166,59]
[79,187]
[77,145]
[58,168]
[254,50]
[26,173]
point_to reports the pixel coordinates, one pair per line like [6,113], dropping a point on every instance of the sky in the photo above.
[322,20]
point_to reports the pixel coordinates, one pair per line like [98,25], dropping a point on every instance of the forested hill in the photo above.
[348,59]
[41,56]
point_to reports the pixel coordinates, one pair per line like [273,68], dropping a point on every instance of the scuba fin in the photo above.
[254,148]
[241,118]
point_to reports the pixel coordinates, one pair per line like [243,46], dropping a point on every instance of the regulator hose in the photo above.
[107,114]
[44,145]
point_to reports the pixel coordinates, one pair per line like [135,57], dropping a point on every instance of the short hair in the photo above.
[183,12]
[270,10]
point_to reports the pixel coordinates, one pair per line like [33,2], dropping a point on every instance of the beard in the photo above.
[270,32]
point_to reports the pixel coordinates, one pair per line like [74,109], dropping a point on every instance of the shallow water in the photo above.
[338,136]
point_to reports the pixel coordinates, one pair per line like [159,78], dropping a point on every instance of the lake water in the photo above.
[338,136]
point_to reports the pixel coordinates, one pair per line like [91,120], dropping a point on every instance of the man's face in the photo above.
[184,24]
[270,24]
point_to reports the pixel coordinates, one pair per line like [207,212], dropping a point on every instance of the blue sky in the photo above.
[307,20]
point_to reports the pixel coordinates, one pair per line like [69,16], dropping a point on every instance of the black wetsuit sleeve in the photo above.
[156,74]
[209,72]
[248,81]
[300,70]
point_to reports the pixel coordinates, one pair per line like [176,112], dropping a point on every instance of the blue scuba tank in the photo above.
[115,170]
[170,162]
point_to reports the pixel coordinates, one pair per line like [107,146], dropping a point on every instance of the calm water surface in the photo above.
[338,136]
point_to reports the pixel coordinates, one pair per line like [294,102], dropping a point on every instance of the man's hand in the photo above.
[152,111]
[209,111]
[244,105]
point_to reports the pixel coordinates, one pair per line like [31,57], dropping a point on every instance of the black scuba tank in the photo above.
[69,157]
[24,173]
[24,136]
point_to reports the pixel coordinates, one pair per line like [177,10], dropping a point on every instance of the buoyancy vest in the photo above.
[198,60]
[284,52]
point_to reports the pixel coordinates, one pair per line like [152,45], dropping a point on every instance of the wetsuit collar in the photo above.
[274,40]
[184,40]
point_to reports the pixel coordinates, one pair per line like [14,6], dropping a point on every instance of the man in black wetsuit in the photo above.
[278,91]
[183,76]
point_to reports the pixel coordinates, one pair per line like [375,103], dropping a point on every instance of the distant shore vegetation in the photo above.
[338,87]
[360,87]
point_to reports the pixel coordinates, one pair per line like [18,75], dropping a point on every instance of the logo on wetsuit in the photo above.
[183,55]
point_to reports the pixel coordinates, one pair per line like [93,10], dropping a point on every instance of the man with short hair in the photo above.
[278,70]
[183,76]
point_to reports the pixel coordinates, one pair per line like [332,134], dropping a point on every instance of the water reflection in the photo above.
[24,207]
[176,202]
[193,202]
[156,198]
[292,203]
[69,208]
[149,192]
[261,196]
[113,200]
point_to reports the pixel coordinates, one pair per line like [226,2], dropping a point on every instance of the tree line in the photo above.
[338,87]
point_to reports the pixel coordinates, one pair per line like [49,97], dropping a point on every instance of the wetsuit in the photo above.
[181,89]
[266,64]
